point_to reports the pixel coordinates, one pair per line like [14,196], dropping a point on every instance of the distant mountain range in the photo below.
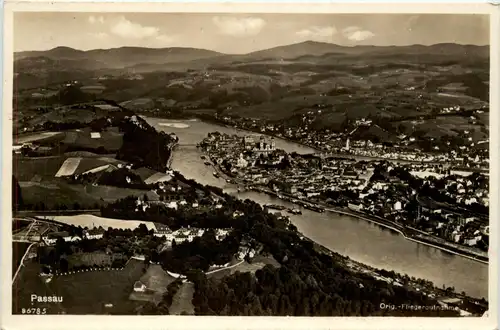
[150,59]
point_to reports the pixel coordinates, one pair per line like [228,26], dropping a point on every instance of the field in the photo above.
[90,163]
[68,167]
[88,220]
[40,181]
[257,263]
[88,292]
[156,281]
[182,301]
[109,139]
[25,169]
[57,193]
[110,194]
[20,139]
[29,282]
[158,177]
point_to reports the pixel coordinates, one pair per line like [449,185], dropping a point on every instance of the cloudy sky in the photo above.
[240,33]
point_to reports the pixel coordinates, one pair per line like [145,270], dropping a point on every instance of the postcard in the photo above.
[248,165]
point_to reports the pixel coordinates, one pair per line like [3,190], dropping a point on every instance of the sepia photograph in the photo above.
[217,163]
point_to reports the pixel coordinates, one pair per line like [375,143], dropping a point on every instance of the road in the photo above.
[221,269]
[22,260]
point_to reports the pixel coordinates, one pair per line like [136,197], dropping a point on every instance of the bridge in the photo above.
[187,145]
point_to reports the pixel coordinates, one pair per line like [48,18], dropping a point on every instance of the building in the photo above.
[242,162]
[163,230]
[51,238]
[139,286]
[90,259]
[95,233]
[249,142]
[264,145]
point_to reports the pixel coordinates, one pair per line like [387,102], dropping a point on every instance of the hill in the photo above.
[152,58]
[122,57]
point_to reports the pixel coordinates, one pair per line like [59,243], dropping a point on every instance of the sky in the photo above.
[240,33]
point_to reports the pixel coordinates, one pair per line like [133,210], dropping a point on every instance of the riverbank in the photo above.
[171,156]
[406,232]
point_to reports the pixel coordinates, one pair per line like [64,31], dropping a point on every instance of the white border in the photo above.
[184,322]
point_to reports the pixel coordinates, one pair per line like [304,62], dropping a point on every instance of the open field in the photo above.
[90,163]
[29,282]
[46,168]
[88,292]
[109,193]
[182,301]
[58,192]
[68,167]
[87,220]
[156,281]
[257,263]
[25,168]
[158,177]
[20,139]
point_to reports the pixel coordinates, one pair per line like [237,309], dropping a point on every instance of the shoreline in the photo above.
[369,218]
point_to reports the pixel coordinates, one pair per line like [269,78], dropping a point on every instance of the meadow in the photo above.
[156,281]
[89,292]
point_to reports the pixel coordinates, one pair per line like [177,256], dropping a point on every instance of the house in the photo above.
[139,286]
[397,206]
[162,230]
[51,238]
[95,233]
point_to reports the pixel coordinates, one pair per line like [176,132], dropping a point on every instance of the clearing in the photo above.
[68,167]
[257,263]
[156,281]
[26,168]
[29,282]
[88,292]
[20,139]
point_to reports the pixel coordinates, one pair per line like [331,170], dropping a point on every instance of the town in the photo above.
[367,137]
[437,204]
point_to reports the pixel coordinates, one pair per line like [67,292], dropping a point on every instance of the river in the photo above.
[361,240]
